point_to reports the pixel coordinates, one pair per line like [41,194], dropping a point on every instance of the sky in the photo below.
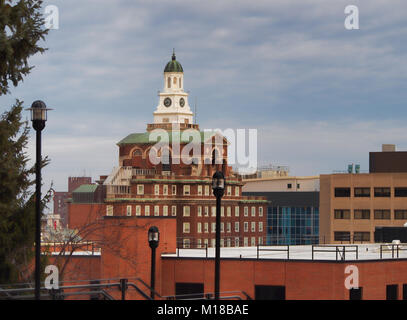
[319,95]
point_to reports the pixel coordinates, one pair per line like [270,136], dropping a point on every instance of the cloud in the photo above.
[320,95]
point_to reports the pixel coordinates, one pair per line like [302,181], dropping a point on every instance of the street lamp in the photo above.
[153,240]
[38,117]
[218,186]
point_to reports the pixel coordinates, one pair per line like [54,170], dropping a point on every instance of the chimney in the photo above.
[388,147]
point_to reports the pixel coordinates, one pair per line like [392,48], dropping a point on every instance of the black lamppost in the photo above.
[38,117]
[153,240]
[218,186]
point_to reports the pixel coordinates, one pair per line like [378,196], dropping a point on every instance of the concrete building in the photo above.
[353,205]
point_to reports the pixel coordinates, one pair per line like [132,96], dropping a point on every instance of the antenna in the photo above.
[196,108]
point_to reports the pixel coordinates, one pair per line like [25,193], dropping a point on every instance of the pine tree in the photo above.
[21,29]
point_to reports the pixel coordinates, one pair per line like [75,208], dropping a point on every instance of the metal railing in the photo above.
[102,290]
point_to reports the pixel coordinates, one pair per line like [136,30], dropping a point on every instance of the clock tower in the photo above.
[173,106]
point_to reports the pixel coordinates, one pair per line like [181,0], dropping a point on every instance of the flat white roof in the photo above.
[302,252]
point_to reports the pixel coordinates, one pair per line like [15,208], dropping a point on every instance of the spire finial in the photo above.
[173,53]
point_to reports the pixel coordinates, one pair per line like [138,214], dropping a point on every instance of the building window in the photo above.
[199,211]
[187,190]
[138,210]
[237,191]
[213,227]
[237,242]
[165,190]
[400,192]
[222,227]
[186,243]
[382,214]
[228,227]
[206,242]
[213,242]
[206,227]
[199,243]
[260,226]
[174,211]
[199,227]
[342,214]
[213,211]
[246,241]
[229,191]
[341,236]
[342,192]
[361,214]
[185,227]
[236,211]
[156,189]
[156,210]
[253,228]
[361,236]
[392,292]
[140,189]
[187,211]
[109,210]
[246,227]
[236,226]
[260,211]
[362,192]
[128,211]
[228,242]
[165,211]
[253,211]
[222,211]
[206,190]
[400,214]
[289,185]
[298,185]
[253,241]
[246,211]
[382,192]
[260,241]
[147,210]
[229,211]
[199,190]
[174,190]
[206,211]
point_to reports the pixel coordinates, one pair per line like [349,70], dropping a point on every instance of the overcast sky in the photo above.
[320,96]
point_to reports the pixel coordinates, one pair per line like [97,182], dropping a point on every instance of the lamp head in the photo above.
[153,237]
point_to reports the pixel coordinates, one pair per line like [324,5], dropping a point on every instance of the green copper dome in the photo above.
[173,65]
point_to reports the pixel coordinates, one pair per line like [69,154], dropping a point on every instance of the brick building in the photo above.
[173,177]
[60,198]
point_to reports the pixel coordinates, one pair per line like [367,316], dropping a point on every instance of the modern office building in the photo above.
[293,207]
[352,205]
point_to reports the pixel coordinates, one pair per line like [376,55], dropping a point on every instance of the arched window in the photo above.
[180,84]
[137,153]
[169,82]
[175,80]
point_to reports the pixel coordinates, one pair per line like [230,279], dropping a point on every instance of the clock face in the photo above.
[182,102]
[167,102]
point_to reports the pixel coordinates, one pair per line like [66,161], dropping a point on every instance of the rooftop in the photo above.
[355,252]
